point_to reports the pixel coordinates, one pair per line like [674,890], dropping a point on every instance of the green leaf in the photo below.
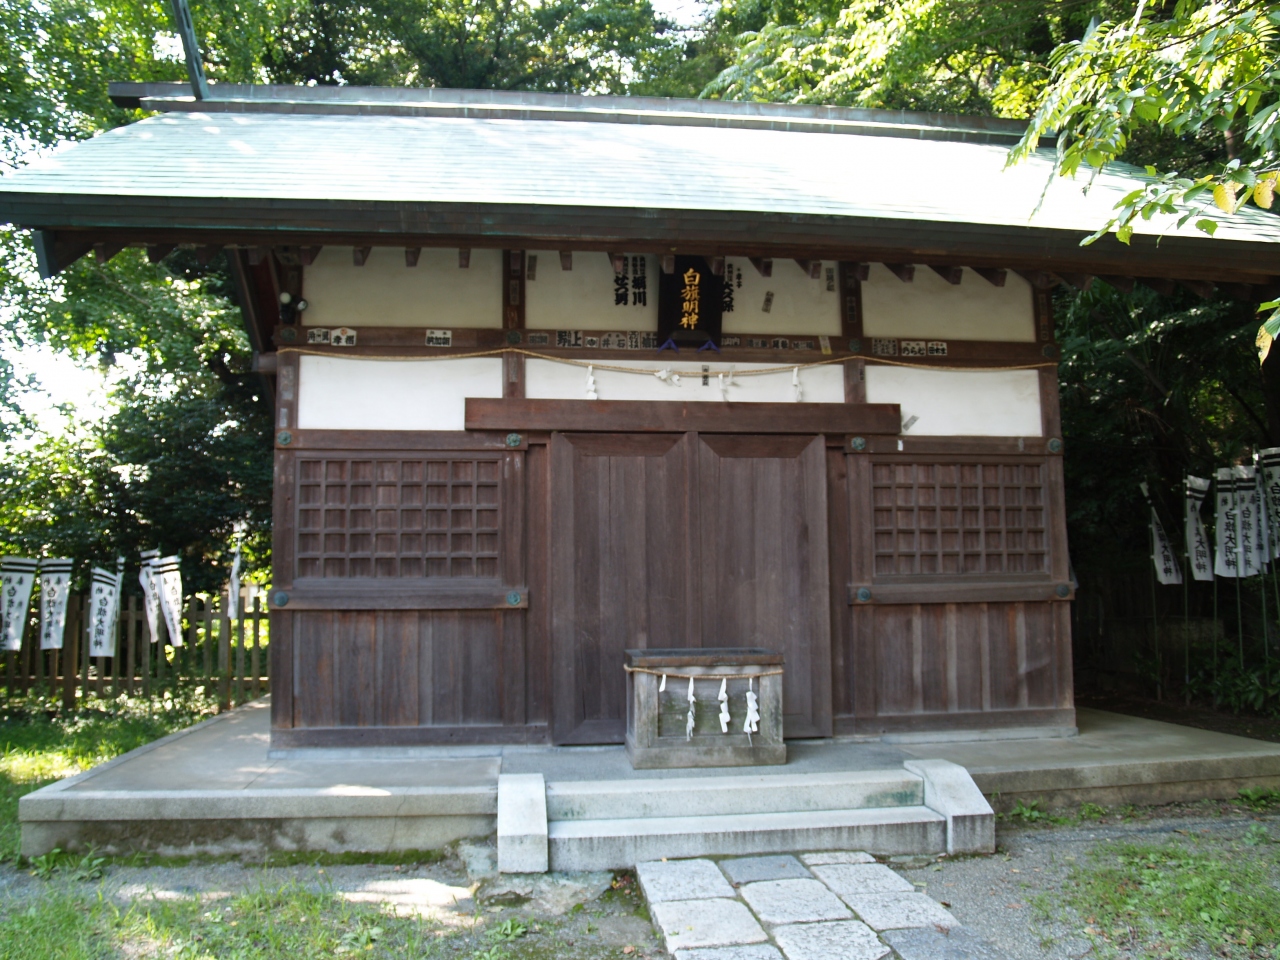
[1207,226]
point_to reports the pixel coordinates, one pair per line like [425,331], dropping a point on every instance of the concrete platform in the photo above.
[218,788]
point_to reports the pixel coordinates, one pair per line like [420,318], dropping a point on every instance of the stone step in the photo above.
[615,844]
[704,796]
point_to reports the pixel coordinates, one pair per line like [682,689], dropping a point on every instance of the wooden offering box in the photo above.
[657,720]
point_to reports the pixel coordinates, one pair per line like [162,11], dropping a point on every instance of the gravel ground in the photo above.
[994,895]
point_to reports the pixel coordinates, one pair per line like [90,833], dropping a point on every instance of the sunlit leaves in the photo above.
[1206,68]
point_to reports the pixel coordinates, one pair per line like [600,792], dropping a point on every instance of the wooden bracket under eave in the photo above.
[54,255]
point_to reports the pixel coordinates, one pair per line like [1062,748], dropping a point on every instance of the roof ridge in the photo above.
[531,105]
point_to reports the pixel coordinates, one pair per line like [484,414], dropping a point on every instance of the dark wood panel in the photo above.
[976,590]
[930,659]
[538,619]
[670,416]
[839,575]
[356,668]
[959,721]
[398,652]
[280,652]
[954,449]
[764,563]
[384,593]
[393,443]
[618,570]
[407,736]
[315,693]
[465,652]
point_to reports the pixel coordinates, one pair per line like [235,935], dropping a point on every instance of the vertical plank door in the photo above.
[620,579]
[763,564]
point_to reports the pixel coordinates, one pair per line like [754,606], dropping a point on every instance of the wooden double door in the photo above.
[685,540]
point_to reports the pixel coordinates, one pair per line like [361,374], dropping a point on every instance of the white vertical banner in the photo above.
[1168,570]
[150,592]
[1227,561]
[1249,511]
[170,583]
[1269,478]
[55,586]
[17,574]
[233,586]
[104,597]
[1197,539]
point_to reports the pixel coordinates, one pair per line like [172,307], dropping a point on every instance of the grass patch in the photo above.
[39,744]
[283,923]
[1151,900]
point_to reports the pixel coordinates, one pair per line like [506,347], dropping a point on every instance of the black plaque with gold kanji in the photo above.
[690,299]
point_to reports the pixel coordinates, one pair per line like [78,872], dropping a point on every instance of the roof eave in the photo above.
[140,220]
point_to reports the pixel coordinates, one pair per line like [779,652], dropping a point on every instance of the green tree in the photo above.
[960,56]
[1197,72]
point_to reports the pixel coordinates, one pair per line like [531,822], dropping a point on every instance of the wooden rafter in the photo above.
[952,274]
[906,272]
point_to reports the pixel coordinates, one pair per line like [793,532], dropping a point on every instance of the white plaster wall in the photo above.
[930,308]
[341,393]
[582,298]
[548,380]
[800,305]
[960,403]
[385,293]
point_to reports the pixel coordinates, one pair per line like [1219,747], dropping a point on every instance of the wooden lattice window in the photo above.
[959,518]
[397,517]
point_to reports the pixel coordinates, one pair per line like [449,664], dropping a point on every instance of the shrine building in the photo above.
[556,377]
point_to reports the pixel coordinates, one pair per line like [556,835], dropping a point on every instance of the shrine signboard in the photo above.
[690,301]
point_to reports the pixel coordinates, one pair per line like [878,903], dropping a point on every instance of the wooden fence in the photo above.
[216,650]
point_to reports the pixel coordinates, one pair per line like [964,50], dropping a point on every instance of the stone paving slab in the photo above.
[930,943]
[893,911]
[752,869]
[862,878]
[706,923]
[682,880]
[837,856]
[752,951]
[793,901]
[842,940]
[851,908]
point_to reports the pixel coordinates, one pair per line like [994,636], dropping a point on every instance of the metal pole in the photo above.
[190,47]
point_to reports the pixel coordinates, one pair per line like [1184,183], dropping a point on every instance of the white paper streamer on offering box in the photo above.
[17,574]
[55,585]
